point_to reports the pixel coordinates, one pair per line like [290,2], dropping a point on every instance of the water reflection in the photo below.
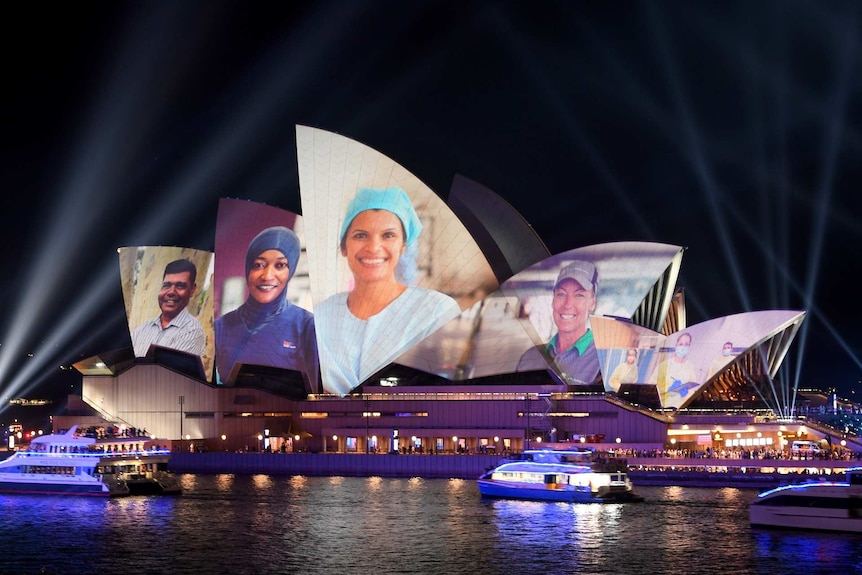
[823,552]
[374,484]
[261,524]
[262,482]
[298,482]
[224,482]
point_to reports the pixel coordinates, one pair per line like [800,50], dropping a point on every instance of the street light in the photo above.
[182,401]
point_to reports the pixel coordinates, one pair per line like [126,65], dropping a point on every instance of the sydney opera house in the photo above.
[387,319]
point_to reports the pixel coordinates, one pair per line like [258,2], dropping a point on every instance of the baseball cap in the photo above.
[582,272]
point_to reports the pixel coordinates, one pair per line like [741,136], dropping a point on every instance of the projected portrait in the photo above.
[676,375]
[390,264]
[168,299]
[627,355]
[690,359]
[267,328]
[727,355]
[382,312]
[554,303]
[571,347]
[626,371]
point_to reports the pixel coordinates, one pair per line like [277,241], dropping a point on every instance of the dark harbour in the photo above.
[260,524]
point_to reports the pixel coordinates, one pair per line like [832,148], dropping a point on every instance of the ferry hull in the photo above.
[23,487]
[813,506]
[569,476]
[499,490]
[802,519]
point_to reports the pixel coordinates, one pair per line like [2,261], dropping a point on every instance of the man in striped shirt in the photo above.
[174,327]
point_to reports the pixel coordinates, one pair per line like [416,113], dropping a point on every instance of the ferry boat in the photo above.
[814,505]
[560,475]
[71,464]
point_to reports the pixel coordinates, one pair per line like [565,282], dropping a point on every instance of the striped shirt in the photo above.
[184,333]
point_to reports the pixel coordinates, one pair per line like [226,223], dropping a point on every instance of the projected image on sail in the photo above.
[390,264]
[648,368]
[265,334]
[558,297]
[168,298]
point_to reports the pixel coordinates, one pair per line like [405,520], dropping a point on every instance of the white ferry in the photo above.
[815,505]
[560,475]
[71,464]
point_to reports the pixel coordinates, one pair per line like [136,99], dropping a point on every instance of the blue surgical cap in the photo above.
[275,238]
[393,200]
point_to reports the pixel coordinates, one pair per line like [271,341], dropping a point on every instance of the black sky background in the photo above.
[730,128]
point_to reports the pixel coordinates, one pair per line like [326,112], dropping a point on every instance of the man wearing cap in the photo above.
[175,327]
[571,349]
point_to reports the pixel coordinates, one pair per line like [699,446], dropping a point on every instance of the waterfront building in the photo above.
[587,346]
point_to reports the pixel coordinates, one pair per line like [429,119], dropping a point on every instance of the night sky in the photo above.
[730,128]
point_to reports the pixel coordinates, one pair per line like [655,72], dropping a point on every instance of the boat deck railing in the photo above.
[93,454]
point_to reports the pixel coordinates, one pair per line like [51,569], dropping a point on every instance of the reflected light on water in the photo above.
[245,524]
[188,481]
[675,492]
[262,482]
[730,495]
[456,485]
[224,481]
[374,483]
[298,482]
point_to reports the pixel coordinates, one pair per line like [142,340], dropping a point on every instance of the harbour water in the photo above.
[261,524]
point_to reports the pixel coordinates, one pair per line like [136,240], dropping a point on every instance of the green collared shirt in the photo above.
[583,343]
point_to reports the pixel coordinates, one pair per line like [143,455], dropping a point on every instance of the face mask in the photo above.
[681,351]
[725,352]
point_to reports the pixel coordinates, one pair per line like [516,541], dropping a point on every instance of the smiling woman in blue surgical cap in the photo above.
[362,330]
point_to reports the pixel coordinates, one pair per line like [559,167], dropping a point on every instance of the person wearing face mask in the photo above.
[572,348]
[267,329]
[722,360]
[384,315]
[627,371]
[676,375]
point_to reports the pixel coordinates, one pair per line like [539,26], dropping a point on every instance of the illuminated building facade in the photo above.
[437,327]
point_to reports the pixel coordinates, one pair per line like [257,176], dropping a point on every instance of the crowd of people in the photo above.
[761,453]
